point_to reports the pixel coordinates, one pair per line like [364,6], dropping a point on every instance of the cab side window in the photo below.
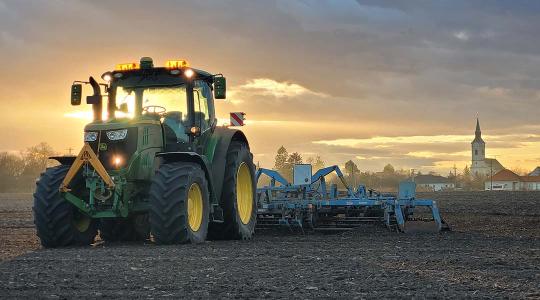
[204,113]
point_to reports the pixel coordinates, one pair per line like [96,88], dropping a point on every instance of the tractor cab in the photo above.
[178,97]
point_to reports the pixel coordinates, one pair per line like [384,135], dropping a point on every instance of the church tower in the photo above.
[478,148]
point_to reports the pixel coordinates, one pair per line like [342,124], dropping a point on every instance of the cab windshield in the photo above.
[133,101]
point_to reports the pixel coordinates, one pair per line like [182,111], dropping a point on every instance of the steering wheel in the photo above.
[155,109]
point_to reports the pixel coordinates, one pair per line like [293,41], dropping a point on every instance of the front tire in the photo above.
[238,195]
[58,223]
[179,204]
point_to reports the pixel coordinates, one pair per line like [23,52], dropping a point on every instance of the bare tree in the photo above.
[11,166]
[316,162]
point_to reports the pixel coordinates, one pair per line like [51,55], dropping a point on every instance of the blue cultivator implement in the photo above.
[308,204]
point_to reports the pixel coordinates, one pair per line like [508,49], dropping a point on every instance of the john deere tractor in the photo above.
[154,164]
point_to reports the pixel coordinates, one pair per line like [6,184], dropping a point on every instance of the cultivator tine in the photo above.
[445,226]
[267,220]
[418,225]
[400,219]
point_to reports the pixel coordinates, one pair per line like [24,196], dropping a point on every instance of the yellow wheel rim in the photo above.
[81,222]
[195,207]
[244,193]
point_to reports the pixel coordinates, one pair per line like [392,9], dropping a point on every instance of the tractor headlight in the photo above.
[115,135]
[90,136]
[117,161]
[107,76]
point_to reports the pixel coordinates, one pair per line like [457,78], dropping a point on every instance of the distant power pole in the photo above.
[353,179]
[491,175]
[455,176]
[70,150]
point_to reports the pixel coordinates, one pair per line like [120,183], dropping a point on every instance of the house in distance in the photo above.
[433,183]
[506,180]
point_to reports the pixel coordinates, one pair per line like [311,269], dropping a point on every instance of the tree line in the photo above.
[387,179]
[19,171]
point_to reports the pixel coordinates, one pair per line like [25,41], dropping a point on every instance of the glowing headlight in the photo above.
[115,135]
[107,76]
[117,161]
[90,136]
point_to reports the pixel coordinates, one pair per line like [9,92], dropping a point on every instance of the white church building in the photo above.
[481,165]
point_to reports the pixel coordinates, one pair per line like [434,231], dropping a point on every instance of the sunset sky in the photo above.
[378,82]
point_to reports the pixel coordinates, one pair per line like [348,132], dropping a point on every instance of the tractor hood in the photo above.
[111,125]
[118,124]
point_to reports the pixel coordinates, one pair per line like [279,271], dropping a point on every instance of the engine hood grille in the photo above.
[107,150]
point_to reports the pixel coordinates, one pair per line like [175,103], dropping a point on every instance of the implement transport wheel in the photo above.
[179,204]
[58,223]
[238,196]
[122,230]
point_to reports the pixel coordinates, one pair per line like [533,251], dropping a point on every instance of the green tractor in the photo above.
[154,164]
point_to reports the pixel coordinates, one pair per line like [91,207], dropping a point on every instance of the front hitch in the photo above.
[101,186]
[85,157]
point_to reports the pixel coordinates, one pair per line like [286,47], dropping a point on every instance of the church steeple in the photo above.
[478,146]
[477,133]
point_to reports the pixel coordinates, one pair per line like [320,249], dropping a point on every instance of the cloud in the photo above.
[359,73]
[270,87]
[430,145]
[7,40]
[462,35]
[439,152]
[382,141]
[493,91]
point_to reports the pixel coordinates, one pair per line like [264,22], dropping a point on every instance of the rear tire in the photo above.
[172,221]
[58,222]
[239,216]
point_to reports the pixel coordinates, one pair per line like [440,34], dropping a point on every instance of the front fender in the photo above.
[219,162]
[64,160]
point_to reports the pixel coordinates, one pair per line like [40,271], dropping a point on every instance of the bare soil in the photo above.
[492,252]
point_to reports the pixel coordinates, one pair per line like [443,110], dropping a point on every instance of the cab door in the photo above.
[204,115]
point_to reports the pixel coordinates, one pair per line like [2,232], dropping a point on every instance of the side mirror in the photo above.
[76,94]
[220,88]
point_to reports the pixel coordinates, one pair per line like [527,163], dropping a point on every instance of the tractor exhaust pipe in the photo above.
[95,99]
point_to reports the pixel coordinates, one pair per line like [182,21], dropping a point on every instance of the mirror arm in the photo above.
[78,81]
[107,87]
